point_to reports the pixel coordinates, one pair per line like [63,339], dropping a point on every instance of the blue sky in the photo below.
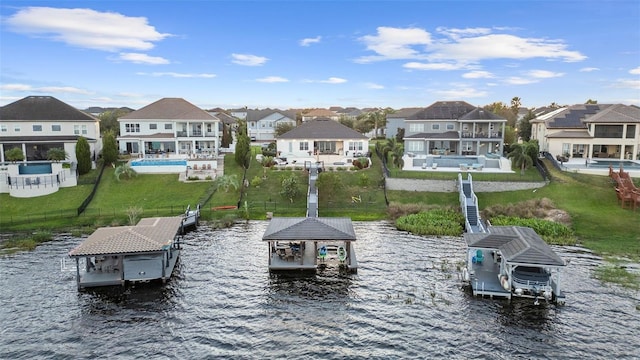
[296,54]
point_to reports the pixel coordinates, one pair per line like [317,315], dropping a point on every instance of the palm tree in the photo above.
[520,154]
[57,154]
[391,144]
[227,181]
[266,163]
[377,119]
[126,170]
[396,155]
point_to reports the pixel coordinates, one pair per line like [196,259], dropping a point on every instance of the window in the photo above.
[37,127]
[76,129]
[631,131]
[435,127]
[3,128]
[355,146]
[304,146]
[609,131]
[131,128]
[84,129]
[450,126]
[416,146]
[168,126]
[153,126]
[56,128]
[16,128]
[467,146]
[416,128]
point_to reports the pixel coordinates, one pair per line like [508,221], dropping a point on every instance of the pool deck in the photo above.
[579,165]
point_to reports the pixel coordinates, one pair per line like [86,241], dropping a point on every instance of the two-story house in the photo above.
[171,126]
[590,130]
[453,128]
[36,124]
[262,124]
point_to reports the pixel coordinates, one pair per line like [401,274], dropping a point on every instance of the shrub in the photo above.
[438,222]
[363,180]
[552,232]
[256,181]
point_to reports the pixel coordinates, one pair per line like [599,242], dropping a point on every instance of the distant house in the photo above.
[320,113]
[396,120]
[37,124]
[453,128]
[322,137]
[590,130]
[262,124]
[169,125]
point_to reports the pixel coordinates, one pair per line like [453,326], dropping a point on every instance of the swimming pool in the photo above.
[602,164]
[159,162]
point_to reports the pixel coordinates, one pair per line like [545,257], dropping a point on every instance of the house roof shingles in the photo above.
[443,110]
[169,109]
[42,108]
[322,129]
[149,235]
[309,228]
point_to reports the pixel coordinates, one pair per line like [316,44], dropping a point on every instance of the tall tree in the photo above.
[516,102]
[283,128]
[524,128]
[227,138]
[83,155]
[501,109]
[109,148]
[109,120]
[377,119]
[243,146]
[591,102]
[521,155]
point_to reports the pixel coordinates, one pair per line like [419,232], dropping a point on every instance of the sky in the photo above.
[318,54]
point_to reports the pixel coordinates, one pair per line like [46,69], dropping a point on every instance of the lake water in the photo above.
[405,302]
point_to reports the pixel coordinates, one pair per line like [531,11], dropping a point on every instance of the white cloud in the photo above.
[374,86]
[589,69]
[178,75]
[516,80]
[543,74]
[461,46]
[635,71]
[44,89]
[107,31]
[16,87]
[461,93]
[432,66]
[138,58]
[272,79]
[248,60]
[334,80]
[395,43]
[627,84]
[309,41]
[478,74]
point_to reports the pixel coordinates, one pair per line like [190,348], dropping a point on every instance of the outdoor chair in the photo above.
[479,256]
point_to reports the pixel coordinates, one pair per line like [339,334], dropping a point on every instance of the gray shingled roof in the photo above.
[42,108]
[149,235]
[52,138]
[404,113]
[322,129]
[616,114]
[571,134]
[518,244]
[307,229]
[257,115]
[481,114]
[169,109]
[442,110]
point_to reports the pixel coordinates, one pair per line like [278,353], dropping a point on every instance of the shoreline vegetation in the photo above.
[571,209]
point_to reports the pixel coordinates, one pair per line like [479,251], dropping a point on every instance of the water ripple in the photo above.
[406,301]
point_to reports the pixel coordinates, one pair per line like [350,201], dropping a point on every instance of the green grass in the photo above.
[598,221]
[618,275]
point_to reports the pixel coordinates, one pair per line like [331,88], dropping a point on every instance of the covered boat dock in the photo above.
[297,243]
[141,253]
